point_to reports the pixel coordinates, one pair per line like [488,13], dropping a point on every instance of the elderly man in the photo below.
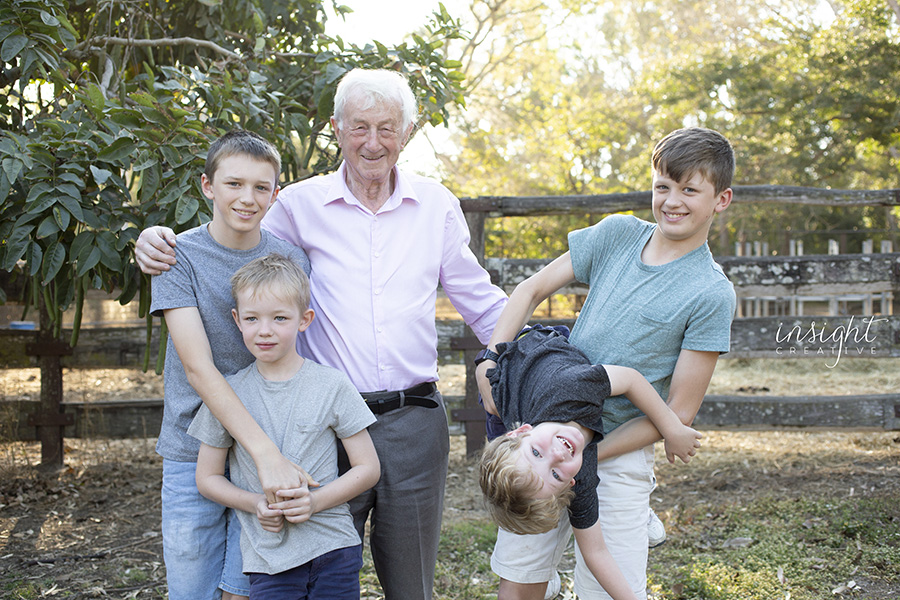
[379,242]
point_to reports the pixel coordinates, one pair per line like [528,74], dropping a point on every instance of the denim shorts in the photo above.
[201,539]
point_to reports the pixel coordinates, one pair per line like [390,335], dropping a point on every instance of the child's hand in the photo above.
[484,386]
[683,444]
[271,520]
[299,503]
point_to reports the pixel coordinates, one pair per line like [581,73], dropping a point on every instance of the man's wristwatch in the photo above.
[484,355]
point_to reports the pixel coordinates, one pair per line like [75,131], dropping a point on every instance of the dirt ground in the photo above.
[94,525]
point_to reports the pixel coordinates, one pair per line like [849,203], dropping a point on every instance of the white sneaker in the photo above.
[553,587]
[656,531]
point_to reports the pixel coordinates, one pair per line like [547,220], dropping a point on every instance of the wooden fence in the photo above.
[752,337]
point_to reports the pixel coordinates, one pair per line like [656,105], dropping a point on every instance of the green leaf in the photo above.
[83,240]
[143,98]
[96,99]
[47,228]
[69,190]
[71,178]
[119,151]
[7,30]
[186,208]
[53,262]
[333,72]
[106,242]
[150,180]
[73,205]
[49,19]
[12,168]
[100,175]
[62,217]
[15,246]
[90,261]
[34,256]
[12,46]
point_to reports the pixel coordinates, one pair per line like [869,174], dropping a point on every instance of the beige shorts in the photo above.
[530,558]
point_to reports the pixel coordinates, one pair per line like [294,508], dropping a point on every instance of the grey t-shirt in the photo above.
[303,416]
[202,278]
[642,316]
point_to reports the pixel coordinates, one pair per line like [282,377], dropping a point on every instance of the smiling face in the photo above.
[269,326]
[553,451]
[371,140]
[241,189]
[684,209]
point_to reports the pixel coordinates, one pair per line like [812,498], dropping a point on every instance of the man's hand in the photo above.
[154,250]
[271,520]
[684,444]
[484,385]
[297,504]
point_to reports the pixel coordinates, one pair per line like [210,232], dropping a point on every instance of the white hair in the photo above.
[369,87]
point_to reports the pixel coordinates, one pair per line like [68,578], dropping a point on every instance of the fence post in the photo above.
[50,419]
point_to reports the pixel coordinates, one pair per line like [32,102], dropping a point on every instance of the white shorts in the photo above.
[530,558]
[624,493]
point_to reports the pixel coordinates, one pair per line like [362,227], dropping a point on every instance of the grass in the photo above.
[802,549]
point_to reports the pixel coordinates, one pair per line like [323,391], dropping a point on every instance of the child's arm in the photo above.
[213,484]
[189,337]
[691,377]
[522,304]
[681,440]
[365,469]
[601,563]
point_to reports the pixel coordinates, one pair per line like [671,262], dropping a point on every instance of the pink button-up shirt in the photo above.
[375,276]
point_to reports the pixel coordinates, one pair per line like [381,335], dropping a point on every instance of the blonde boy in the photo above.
[304,408]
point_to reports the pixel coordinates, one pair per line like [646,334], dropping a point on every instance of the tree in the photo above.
[110,106]
[806,100]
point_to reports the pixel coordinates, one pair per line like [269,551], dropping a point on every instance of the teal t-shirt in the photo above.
[642,316]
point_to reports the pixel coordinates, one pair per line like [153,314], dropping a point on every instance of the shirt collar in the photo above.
[403,190]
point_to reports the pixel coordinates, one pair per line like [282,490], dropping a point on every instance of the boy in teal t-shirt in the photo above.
[657,303]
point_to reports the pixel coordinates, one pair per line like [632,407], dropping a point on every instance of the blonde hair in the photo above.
[275,274]
[510,490]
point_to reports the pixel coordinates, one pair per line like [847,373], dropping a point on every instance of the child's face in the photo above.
[269,325]
[553,452]
[241,189]
[684,209]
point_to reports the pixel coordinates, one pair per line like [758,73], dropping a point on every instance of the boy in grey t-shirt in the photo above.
[241,180]
[304,408]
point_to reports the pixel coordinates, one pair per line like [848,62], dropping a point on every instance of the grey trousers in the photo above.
[406,505]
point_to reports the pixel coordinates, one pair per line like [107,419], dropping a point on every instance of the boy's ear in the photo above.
[206,186]
[519,430]
[306,319]
[725,198]
[237,319]
[274,196]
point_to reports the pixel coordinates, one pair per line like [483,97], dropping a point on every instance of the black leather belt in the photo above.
[382,402]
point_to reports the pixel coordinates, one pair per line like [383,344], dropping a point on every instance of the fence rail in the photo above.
[870,335]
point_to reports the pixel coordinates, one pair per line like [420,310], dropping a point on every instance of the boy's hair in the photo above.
[273,274]
[694,149]
[369,87]
[241,141]
[510,489]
